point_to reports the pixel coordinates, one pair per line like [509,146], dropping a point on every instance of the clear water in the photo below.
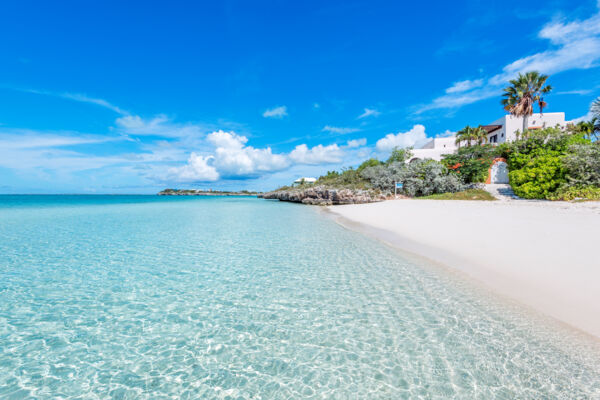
[240,298]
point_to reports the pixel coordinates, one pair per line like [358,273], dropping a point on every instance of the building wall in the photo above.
[511,124]
[435,148]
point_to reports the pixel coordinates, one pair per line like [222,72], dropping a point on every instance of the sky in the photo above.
[135,97]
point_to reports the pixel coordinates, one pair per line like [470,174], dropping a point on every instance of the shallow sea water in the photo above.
[240,298]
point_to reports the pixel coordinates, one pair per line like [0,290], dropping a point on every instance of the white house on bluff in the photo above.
[500,131]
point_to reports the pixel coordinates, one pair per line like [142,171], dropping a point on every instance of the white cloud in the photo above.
[99,102]
[581,92]
[82,98]
[415,136]
[277,112]
[317,155]
[572,45]
[29,139]
[463,86]
[233,158]
[159,125]
[351,144]
[339,130]
[197,169]
[369,112]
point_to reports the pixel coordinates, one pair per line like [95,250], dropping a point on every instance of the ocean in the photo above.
[242,298]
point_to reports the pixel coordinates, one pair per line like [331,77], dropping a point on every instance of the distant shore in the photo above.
[192,192]
[543,254]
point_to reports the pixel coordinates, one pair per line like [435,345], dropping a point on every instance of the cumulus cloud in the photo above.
[351,144]
[277,112]
[413,137]
[234,159]
[197,169]
[369,112]
[572,45]
[319,154]
[339,130]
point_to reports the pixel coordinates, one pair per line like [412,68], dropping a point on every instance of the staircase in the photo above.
[502,191]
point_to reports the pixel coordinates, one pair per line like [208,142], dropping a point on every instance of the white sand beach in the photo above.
[543,254]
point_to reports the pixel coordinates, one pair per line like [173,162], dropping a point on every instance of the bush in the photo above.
[576,193]
[399,155]
[541,173]
[471,163]
[348,178]
[536,161]
[583,165]
[420,178]
[371,162]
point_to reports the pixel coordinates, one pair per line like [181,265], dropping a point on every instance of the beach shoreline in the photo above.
[541,254]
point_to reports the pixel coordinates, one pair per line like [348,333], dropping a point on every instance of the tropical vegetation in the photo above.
[471,135]
[524,93]
[555,163]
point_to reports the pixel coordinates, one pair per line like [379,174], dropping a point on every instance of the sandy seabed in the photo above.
[543,254]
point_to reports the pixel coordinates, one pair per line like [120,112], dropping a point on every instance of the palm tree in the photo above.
[465,135]
[596,116]
[480,135]
[471,135]
[585,127]
[523,93]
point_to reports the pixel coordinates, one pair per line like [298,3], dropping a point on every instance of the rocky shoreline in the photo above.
[323,196]
[180,192]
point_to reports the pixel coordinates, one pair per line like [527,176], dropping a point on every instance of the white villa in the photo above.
[504,129]
[300,181]
[500,131]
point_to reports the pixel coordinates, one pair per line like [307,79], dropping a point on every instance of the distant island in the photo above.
[195,192]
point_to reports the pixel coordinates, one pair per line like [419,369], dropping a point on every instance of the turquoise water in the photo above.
[240,298]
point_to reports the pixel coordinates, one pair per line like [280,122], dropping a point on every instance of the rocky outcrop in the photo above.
[323,196]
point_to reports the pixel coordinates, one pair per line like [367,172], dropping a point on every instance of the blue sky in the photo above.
[133,97]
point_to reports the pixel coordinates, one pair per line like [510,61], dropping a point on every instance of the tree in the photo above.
[466,135]
[480,135]
[399,155]
[596,116]
[371,162]
[587,128]
[524,93]
[471,135]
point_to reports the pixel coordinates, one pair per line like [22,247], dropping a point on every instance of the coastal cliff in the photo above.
[323,196]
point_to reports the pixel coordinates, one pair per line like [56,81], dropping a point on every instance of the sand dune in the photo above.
[546,255]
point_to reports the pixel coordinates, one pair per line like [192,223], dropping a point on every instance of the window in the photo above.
[494,139]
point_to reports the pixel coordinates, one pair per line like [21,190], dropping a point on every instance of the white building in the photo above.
[300,181]
[435,148]
[504,129]
[500,131]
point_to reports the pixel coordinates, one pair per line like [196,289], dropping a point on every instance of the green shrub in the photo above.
[471,163]
[371,162]
[420,178]
[583,165]
[541,173]
[399,155]
[536,162]
[576,193]
[348,178]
